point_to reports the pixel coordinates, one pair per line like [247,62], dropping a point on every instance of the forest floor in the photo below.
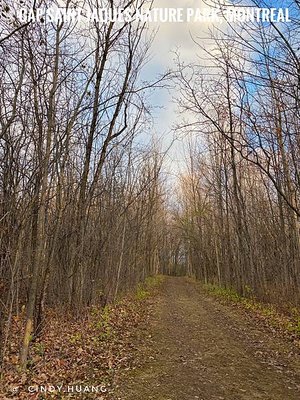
[172,339]
[200,348]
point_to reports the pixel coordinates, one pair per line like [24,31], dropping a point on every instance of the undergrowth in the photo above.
[289,323]
[85,351]
[145,289]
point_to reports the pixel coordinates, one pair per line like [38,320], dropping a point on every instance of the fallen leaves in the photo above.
[72,351]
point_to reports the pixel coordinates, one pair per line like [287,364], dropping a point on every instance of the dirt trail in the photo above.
[204,350]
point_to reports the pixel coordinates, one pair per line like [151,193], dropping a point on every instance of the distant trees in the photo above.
[241,210]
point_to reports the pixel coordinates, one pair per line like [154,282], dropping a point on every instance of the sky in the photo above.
[172,37]
[178,36]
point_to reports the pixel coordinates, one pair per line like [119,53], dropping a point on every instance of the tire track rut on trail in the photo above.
[201,349]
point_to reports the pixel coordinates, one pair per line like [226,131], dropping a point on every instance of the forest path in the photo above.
[201,349]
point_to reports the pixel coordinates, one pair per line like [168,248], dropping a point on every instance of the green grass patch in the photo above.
[154,281]
[145,289]
[267,312]
[75,338]
[141,292]
[220,291]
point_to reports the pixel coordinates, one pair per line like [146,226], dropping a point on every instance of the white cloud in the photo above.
[171,37]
